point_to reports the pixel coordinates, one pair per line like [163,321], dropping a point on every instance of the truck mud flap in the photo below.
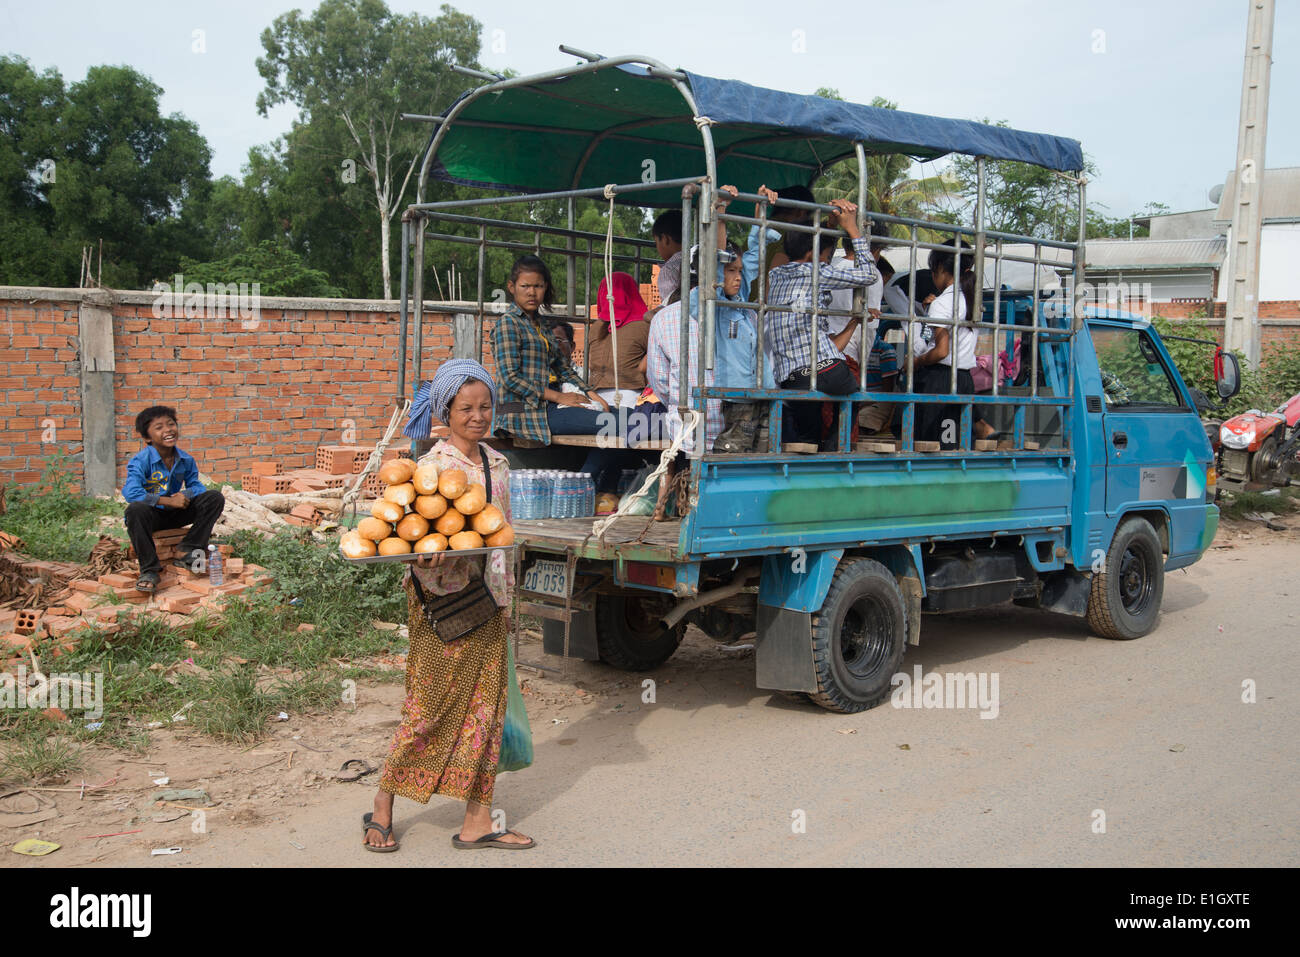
[1066,593]
[783,650]
[582,635]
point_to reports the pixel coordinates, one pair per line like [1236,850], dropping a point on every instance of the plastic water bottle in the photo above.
[569,507]
[215,577]
[559,496]
[588,495]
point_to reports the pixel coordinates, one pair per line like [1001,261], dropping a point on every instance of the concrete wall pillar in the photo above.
[98,420]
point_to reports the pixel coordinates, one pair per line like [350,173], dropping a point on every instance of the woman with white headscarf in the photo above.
[449,739]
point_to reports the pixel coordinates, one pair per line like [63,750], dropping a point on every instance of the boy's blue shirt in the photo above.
[148,480]
[734,358]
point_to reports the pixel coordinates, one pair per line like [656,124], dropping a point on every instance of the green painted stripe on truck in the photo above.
[919,494]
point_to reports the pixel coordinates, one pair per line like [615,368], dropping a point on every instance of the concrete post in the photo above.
[98,419]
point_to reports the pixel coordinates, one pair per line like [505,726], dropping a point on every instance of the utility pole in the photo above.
[1241,326]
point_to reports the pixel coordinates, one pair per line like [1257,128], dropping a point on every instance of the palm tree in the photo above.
[891,188]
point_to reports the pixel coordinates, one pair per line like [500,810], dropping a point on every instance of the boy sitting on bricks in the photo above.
[163,491]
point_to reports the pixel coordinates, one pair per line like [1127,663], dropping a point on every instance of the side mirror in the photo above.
[1227,374]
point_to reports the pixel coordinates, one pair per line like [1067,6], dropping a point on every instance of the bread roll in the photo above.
[425,479]
[471,501]
[466,539]
[450,522]
[413,527]
[488,520]
[396,472]
[500,539]
[431,543]
[408,461]
[386,511]
[402,495]
[430,506]
[452,483]
[354,546]
[374,529]
[394,546]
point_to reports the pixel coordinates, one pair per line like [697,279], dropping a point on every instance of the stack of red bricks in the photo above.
[181,596]
[335,467]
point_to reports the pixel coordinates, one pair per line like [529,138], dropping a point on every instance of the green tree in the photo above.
[892,190]
[97,162]
[276,270]
[30,107]
[351,68]
[129,176]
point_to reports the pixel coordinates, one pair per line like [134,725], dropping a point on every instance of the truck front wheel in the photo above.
[630,634]
[1125,598]
[858,637]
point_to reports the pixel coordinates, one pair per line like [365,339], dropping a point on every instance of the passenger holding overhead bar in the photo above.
[735,332]
[790,329]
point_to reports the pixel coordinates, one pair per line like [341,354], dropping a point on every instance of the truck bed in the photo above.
[631,537]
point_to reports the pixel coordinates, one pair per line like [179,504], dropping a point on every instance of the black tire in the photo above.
[1125,599]
[859,637]
[630,634]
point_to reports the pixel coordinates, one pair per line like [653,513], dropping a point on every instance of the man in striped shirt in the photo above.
[790,328]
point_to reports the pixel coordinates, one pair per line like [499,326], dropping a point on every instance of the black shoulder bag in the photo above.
[454,616]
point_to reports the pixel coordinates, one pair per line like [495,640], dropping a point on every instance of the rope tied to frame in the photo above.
[599,528]
[703,121]
[376,457]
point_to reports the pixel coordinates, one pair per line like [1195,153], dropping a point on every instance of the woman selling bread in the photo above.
[449,739]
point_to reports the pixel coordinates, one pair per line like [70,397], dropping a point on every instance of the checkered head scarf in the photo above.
[449,378]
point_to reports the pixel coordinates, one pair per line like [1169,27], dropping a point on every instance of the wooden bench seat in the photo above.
[610,442]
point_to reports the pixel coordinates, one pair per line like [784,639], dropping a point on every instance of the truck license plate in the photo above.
[547,578]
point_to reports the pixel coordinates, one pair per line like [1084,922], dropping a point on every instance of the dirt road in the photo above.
[1150,738]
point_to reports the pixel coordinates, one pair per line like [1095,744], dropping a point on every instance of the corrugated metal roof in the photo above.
[1141,253]
[1281,195]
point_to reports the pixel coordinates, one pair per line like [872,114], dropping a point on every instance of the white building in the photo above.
[1279,241]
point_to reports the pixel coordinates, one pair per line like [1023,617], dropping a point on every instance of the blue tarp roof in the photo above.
[598,126]
[734,102]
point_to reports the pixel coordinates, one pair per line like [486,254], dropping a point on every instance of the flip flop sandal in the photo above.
[187,561]
[492,840]
[384,832]
[148,583]
[350,773]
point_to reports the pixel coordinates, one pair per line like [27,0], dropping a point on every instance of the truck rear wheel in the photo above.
[630,634]
[858,637]
[1125,599]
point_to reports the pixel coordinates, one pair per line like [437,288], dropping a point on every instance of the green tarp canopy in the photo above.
[623,125]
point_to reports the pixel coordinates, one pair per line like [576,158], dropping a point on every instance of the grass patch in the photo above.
[1237,504]
[38,755]
[257,662]
[56,523]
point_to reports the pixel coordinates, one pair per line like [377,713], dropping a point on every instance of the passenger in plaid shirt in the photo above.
[664,371]
[527,354]
[790,333]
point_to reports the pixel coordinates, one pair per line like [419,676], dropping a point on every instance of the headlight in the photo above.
[1237,440]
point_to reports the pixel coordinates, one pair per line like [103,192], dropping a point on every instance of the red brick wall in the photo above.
[278,391]
[40,388]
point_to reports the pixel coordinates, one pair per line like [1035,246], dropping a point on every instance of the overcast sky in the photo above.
[1150,87]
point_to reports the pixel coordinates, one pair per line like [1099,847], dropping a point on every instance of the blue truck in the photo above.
[1102,481]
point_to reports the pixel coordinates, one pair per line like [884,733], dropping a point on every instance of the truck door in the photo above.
[1154,439]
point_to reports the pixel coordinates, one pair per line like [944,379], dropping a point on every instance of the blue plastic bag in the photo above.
[517,738]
